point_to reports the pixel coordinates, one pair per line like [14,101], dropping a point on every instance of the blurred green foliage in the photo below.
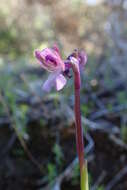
[122,97]
[100,187]
[124,133]
[51,173]
[58,154]
[76,176]
[16,113]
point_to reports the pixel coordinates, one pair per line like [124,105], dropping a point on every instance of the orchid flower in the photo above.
[51,60]
[79,57]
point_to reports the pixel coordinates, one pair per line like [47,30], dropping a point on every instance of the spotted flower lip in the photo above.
[50,60]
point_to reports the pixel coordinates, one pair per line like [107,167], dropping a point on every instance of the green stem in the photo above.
[84,178]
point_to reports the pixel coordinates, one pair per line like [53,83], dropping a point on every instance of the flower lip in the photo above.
[50,59]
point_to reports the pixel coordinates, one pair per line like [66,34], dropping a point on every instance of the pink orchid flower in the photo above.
[80,58]
[50,59]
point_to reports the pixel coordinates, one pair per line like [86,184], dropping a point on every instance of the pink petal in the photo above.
[41,59]
[83,57]
[37,55]
[60,82]
[50,82]
[55,47]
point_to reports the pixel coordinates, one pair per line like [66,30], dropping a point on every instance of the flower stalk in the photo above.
[79,130]
[50,60]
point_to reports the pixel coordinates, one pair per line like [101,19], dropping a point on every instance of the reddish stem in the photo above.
[79,130]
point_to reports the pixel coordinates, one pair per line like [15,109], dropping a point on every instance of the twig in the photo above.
[117,85]
[91,124]
[104,112]
[116,179]
[95,98]
[99,180]
[4,121]
[118,141]
[8,146]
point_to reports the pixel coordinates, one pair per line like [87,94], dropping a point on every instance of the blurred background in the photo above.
[37,132]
